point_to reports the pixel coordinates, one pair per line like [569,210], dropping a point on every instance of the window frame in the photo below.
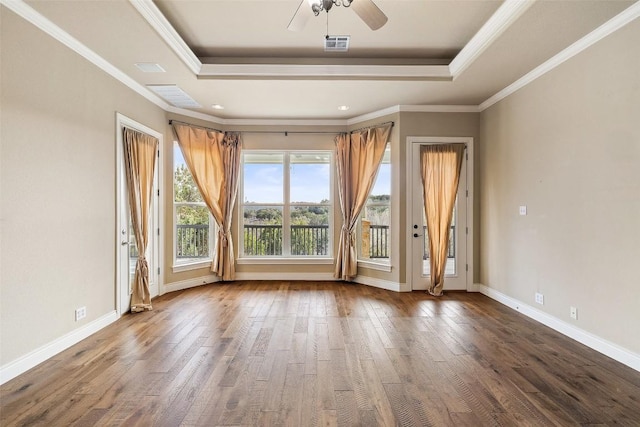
[382,264]
[190,264]
[287,207]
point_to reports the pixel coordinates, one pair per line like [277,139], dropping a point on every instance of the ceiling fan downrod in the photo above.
[319,5]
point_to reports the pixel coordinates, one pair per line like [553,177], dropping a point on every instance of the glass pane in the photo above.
[133,255]
[376,234]
[450,268]
[381,191]
[310,230]
[310,177]
[192,233]
[263,178]
[262,230]
[184,188]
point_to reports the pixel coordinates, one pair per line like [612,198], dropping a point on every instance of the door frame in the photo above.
[411,140]
[158,249]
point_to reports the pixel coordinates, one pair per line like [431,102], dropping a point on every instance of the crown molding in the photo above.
[32,16]
[326,71]
[413,109]
[285,122]
[439,108]
[195,114]
[158,22]
[373,115]
[609,27]
[497,24]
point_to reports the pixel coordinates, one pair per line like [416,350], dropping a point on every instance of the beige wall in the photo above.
[568,147]
[429,125]
[57,181]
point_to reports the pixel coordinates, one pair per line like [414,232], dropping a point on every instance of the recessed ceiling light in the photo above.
[217,107]
[343,107]
[149,67]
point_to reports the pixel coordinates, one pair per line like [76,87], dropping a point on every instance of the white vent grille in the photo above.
[149,67]
[174,96]
[336,43]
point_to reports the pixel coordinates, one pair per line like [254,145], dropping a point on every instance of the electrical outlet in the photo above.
[573,312]
[539,298]
[523,210]
[81,313]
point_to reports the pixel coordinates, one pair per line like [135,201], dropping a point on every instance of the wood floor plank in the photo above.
[255,353]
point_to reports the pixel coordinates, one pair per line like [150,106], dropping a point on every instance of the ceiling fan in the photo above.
[365,9]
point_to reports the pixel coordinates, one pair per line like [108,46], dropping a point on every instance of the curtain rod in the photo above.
[374,126]
[195,126]
[285,132]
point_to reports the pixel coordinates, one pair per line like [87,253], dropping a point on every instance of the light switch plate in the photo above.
[523,210]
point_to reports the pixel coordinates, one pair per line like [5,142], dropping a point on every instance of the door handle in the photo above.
[124,243]
[416,235]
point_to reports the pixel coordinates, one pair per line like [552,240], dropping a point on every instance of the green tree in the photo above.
[185,190]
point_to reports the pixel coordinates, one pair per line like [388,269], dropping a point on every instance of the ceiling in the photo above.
[239,53]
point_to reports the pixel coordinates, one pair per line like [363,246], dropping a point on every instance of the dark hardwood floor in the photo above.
[316,354]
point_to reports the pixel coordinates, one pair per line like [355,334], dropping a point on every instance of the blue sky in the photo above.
[309,182]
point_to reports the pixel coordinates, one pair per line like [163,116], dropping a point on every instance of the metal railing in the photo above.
[262,240]
[266,240]
[192,241]
[309,240]
[379,241]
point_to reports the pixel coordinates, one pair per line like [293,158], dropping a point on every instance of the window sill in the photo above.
[179,268]
[281,261]
[372,265]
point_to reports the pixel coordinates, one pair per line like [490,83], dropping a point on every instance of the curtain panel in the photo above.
[140,156]
[358,158]
[440,171]
[213,158]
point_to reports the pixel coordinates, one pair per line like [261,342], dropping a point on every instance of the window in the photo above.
[192,219]
[375,219]
[286,209]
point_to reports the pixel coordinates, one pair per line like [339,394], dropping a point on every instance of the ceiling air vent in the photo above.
[174,96]
[149,67]
[336,43]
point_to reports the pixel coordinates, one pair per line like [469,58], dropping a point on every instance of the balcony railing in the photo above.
[263,240]
[266,240]
[379,241]
[192,241]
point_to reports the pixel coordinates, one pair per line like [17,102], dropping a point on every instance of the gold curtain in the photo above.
[140,154]
[213,158]
[440,170]
[358,157]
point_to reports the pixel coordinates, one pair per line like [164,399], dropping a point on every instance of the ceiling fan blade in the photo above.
[369,13]
[300,18]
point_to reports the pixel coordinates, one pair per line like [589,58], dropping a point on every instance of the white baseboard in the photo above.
[601,345]
[382,284]
[286,276]
[37,356]
[189,283]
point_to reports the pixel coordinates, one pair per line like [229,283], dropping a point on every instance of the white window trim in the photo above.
[179,268]
[376,265]
[286,257]
[282,260]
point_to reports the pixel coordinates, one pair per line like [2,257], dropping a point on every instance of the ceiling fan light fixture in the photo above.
[318,6]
